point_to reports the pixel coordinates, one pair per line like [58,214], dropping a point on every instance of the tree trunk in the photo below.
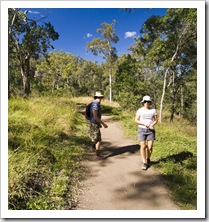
[172,106]
[173,98]
[163,94]
[8,89]
[26,85]
[53,85]
[110,81]
[164,84]
[9,38]
[25,71]
[172,113]
[182,103]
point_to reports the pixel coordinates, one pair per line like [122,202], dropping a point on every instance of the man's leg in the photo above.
[98,144]
[93,147]
[98,148]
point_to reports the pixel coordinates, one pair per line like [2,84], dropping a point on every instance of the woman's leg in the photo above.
[150,139]
[143,151]
[149,149]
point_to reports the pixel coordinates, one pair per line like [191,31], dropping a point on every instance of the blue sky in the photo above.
[77,26]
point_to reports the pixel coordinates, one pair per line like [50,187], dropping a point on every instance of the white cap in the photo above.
[146,98]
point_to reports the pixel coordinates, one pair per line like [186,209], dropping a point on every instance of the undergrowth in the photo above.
[46,146]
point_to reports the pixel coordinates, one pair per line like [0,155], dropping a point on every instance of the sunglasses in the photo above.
[146,101]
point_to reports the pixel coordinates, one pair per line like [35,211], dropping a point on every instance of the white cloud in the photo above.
[89,35]
[33,12]
[129,34]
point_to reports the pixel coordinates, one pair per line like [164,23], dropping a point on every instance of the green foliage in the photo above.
[131,84]
[28,40]
[62,74]
[168,47]
[104,46]
[46,146]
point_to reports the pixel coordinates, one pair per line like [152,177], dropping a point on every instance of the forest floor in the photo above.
[118,182]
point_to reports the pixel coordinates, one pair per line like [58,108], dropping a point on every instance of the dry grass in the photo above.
[86,100]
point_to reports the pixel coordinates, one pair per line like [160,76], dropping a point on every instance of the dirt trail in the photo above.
[118,183]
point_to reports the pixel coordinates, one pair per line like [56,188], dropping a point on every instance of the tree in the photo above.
[130,83]
[57,70]
[28,40]
[169,44]
[104,47]
[183,34]
[66,73]
[89,77]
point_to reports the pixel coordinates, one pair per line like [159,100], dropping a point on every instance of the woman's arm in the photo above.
[155,120]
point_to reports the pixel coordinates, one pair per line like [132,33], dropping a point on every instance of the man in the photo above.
[146,118]
[96,123]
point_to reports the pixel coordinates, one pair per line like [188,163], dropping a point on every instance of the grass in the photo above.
[174,157]
[48,141]
[46,145]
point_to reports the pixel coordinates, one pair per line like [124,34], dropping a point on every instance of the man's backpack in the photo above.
[88,110]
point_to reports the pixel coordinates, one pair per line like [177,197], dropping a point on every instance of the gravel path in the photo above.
[118,183]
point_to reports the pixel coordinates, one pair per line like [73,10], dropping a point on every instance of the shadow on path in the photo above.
[176,158]
[121,150]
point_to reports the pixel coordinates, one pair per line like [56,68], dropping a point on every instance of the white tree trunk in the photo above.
[110,81]
[163,94]
[164,84]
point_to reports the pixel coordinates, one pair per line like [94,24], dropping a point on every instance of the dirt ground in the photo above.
[118,182]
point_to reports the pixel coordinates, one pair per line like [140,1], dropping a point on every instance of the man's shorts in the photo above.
[146,134]
[95,133]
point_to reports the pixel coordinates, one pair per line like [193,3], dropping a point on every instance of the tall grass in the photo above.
[47,141]
[174,156]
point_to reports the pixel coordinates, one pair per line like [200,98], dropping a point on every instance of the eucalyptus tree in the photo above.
[129,83]
[58,70]
[89,77]
[182,35]
[169,44]
[28,40]
[105,48]
[62,71]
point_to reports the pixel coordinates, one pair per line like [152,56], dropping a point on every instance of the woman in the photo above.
[146,118]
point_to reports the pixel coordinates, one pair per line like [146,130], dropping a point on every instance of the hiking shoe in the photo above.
[144,166]
[100,157]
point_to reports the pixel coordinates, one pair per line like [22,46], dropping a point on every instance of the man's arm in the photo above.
[98,119]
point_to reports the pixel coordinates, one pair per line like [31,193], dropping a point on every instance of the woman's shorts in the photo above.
[146,134]
[95,133]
